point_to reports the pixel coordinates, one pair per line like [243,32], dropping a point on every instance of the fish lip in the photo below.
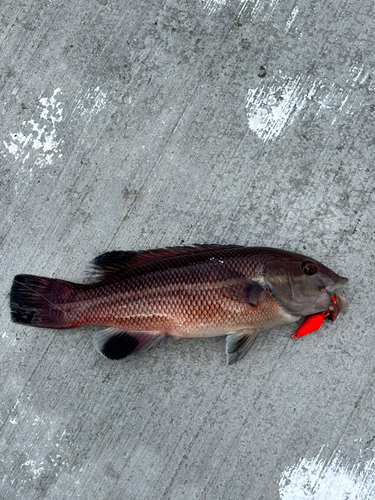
[343,302]
[341,282]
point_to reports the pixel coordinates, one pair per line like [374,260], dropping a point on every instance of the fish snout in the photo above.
[337,284]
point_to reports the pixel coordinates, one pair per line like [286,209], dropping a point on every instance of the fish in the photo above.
[190,291]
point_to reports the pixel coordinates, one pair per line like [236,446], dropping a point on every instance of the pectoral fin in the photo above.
[238,344]
[119,344]
[244,290]
[234,285]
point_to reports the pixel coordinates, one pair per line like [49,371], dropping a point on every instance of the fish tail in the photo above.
[42,302]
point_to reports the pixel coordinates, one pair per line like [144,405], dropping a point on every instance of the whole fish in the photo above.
[197,291]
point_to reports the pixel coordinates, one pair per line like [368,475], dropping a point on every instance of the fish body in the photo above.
[200,291]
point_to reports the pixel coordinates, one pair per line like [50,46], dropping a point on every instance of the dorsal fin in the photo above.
[110,263]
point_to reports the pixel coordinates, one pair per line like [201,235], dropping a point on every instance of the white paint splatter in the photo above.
[13,415]
[291,19]
[36,470]
[276,104]
[41,136]
[272,5]
[260,9]
[271,108]
[335,479]
[37,420]
[244,5]
[38,137]
[90,102]
[213,5]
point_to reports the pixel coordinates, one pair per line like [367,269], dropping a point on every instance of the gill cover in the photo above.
[301,285]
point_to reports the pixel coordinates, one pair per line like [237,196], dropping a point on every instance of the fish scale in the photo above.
[200,291]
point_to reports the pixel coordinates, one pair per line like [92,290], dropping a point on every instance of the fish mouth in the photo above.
[343,302]
[340,302]
[338,284]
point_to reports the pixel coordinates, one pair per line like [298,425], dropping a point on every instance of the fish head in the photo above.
[302,285]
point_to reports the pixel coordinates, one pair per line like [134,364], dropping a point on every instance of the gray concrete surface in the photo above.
[140,124]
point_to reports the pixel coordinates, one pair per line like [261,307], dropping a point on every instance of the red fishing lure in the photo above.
[315,321]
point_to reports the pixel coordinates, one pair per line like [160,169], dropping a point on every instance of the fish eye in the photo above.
[309,268]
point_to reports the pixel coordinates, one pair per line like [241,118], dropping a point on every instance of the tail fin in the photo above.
[40,302]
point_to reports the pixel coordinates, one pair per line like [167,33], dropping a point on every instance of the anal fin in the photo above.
[118,344]
[238,344]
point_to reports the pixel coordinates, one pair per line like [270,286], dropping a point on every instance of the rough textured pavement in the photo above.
[141,124]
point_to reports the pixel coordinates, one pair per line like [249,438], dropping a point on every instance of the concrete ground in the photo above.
[143,124]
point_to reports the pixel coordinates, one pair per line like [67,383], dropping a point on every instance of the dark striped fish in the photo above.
[199,291]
